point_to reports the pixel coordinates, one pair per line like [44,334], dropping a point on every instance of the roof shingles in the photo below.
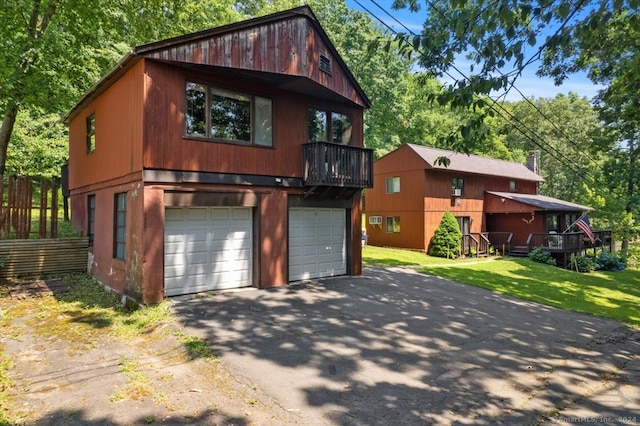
[474,164]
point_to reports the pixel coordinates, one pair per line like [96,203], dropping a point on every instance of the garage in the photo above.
[317,243]
[207,248]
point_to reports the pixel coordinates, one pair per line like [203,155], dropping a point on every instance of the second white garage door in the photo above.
[317,243]
[207,248]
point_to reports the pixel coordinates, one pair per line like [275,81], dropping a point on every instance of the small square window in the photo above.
[392,185]
[91,133]
[457,187]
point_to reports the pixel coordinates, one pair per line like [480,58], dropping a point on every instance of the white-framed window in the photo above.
[393,224]
[392,184]
[226,115]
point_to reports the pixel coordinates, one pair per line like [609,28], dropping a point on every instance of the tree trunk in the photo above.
[8,121]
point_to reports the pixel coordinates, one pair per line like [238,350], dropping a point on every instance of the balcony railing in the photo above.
[335,165]
[569,242]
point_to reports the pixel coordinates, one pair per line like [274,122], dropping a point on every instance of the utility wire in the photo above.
[566,162]
[533,58]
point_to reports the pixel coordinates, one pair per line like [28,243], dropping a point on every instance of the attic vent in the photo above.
[325,64]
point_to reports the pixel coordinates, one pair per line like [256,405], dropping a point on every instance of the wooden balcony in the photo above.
[563,246]
[335,168]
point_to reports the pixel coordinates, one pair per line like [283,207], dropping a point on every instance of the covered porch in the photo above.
[516,224]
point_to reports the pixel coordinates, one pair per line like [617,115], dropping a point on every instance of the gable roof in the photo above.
[213,48]
[541,202]
[474,164]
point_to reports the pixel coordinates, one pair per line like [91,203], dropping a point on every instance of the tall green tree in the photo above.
[503,37]
[55,50]
[564,130]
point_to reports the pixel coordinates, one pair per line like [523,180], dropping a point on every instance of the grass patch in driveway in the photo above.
[614,295]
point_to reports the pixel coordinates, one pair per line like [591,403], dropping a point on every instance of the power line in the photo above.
[539,143]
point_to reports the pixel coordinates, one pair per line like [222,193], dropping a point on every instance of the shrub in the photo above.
[584,263]
[608,261]
[542,255]
[446,238]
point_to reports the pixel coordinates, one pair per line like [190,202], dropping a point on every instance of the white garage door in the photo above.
[206,248]
[317,243]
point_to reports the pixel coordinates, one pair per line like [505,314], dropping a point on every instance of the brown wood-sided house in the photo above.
[496,203]
[226,158]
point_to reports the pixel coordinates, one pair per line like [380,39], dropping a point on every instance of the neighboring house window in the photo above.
[553,222]
[91,222]
[512,186]
[91,133]
[393,224]
[457,187]
[120,226]
[226,115]
[328,126]
[392,185]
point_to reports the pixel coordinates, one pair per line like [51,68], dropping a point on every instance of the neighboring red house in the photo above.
[412,192]
[226,158]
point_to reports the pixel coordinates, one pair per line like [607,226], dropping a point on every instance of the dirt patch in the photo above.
[37,288]
[67,367]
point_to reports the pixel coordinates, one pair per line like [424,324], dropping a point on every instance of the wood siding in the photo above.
[290,47]
[166,147]
[33,258]
[425,195]
[119,128]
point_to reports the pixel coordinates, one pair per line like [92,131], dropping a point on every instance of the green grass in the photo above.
[614,295]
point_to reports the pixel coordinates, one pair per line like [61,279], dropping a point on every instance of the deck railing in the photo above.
[501,242]
[570,242]
[332,164]
[476,244]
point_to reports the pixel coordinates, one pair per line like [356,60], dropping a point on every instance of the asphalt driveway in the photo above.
[398,347]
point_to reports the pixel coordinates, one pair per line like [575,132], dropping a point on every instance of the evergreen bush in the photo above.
[446,238]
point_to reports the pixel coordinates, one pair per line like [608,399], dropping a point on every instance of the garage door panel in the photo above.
[207,248]
[194,214]
[317,242]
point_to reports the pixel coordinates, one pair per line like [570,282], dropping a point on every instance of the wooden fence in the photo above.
[31,258]
[17,194]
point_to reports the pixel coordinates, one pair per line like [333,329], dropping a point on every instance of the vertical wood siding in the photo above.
[425,194]
[119,128]
[290,47]
[165,146]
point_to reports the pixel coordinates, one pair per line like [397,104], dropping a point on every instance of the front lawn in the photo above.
[614,295]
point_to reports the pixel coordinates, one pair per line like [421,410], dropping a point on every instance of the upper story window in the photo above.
[457,187]
[328,126]
[226,115]
[91,133]
[512,186]
[392,185]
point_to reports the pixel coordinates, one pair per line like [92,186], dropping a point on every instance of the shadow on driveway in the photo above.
[398,347]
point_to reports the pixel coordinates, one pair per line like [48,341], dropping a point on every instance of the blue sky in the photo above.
[529,84]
